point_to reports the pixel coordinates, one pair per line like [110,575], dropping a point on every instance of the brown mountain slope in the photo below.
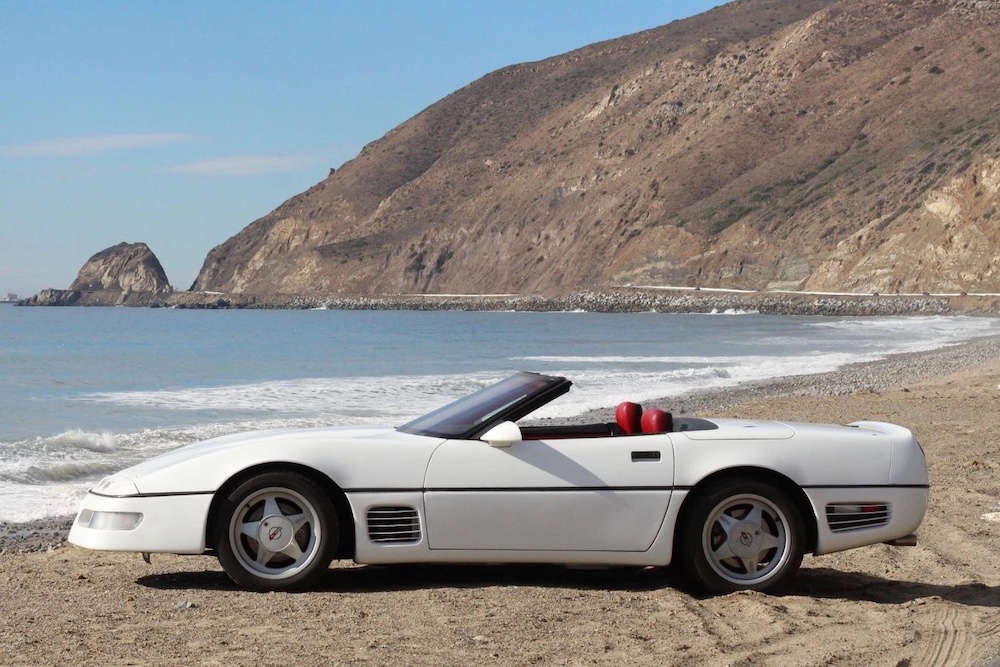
[819,144]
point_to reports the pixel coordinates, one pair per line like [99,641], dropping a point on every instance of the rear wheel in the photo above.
[742,534]
[277,531]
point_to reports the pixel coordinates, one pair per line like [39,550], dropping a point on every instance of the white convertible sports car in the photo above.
[736,503]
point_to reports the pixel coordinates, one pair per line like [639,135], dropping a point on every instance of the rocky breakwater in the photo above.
[610,301]
[124,274]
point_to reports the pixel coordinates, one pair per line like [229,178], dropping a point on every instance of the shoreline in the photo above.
[894,371]
[612,300]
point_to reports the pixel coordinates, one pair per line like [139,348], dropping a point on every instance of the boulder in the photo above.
[126,268]
[125,274]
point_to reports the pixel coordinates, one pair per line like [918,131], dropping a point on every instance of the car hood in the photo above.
[225,454]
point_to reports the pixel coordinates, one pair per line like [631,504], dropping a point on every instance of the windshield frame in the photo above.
[509,399]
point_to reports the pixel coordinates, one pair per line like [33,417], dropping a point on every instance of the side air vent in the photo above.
[393,525]
[843,517]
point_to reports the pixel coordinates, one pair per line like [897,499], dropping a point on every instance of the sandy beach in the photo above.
[933,604]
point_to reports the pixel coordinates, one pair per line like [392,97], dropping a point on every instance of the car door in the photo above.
[582,494]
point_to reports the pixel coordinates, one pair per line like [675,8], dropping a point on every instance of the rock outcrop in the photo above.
[821,144]
[124,274]
[52,297]
[126,267]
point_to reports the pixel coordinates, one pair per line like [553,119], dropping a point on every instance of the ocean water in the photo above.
[88,391]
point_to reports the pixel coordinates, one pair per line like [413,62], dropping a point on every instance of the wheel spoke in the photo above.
[750,563]
[271,506]
[767,540]
[298,520]
[727,522]
[263,556]
[723,551]
[293,551]
[249,529]
[755,515]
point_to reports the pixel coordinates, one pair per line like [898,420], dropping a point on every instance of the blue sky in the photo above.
[178,123]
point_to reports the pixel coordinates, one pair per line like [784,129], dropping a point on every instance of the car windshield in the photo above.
[509,399]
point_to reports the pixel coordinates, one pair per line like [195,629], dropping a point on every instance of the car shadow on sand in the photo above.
[383,578]
[826,583]
[820,583]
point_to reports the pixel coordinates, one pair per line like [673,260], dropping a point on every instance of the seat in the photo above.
[629,415]
[656,420]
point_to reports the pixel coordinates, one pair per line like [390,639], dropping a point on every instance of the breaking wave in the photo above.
[59,472]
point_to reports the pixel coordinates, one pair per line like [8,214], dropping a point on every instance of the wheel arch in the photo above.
[789,487]
[345,517]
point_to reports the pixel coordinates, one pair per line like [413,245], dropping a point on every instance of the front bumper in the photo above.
[155,524]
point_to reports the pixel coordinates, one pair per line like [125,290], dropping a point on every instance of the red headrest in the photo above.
[627,415]
[656,421]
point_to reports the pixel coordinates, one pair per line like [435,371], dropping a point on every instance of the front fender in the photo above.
[352,458]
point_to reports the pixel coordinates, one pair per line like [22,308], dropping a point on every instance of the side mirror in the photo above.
[503,434]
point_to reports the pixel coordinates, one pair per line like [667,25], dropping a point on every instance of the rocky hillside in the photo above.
[816,144]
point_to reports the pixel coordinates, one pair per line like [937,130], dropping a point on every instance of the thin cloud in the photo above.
[92,145]
[247,165]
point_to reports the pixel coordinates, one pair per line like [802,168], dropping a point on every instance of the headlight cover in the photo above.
[116,486]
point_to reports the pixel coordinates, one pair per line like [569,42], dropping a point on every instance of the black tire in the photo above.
[741,534]
[277,531]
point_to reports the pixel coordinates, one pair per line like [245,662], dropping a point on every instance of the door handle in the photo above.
[645,456]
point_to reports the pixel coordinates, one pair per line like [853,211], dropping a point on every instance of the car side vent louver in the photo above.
[842,517]
[393,525]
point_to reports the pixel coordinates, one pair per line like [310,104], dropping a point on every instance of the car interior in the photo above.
[630,419]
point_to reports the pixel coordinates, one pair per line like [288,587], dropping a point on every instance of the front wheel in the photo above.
[277,531]
[742,534]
